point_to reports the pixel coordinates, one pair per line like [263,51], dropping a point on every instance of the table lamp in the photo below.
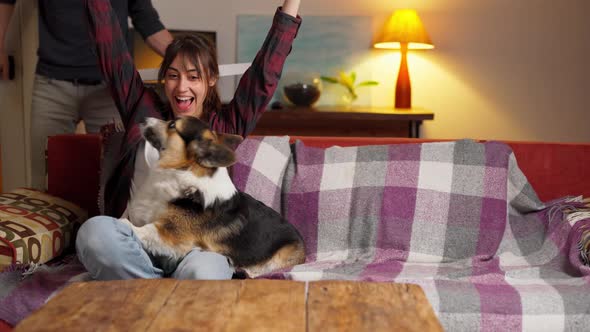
[404,31]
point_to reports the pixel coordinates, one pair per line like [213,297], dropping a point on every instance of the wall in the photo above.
[501,69]
[15,96]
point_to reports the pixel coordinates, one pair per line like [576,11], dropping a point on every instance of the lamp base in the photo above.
[406,103]
[403,87]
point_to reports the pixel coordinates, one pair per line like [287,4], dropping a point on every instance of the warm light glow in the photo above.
[403,26]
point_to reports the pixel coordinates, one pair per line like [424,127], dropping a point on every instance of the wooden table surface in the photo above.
[235,305]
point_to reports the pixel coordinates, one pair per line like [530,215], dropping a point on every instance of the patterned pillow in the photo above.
[35,227]
[260,168]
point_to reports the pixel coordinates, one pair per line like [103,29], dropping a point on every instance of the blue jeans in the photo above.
[110,250]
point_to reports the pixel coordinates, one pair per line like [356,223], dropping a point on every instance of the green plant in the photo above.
[349,82]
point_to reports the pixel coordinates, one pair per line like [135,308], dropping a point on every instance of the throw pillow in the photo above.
[260,168]
[35,227]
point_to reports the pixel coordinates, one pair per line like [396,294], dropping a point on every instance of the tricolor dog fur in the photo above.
[189,201]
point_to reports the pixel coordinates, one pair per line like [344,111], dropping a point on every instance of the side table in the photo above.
[341,121]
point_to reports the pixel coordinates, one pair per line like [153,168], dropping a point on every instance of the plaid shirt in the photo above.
[135,102]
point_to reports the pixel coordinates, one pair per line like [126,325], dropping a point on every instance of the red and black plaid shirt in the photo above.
[135,102]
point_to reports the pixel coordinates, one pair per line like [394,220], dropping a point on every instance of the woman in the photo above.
[107,247]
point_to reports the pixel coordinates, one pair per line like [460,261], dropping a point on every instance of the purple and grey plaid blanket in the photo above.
[457,218]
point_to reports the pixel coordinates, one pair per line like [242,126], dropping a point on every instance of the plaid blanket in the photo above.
[458,218]
[25,288]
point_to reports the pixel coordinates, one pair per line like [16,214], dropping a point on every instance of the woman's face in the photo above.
[184,88]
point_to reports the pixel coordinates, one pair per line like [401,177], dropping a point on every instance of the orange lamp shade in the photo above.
[403,26]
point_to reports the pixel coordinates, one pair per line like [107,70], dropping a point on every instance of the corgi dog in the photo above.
[189,201]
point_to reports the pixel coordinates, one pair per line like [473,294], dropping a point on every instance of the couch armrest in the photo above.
[73,168]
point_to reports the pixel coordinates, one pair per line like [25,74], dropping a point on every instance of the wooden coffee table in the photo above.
[235,305]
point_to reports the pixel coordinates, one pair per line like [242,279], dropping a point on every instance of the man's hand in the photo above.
[4,66]
[159,41]
[5,16]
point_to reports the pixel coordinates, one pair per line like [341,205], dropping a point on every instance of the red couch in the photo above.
[554,169]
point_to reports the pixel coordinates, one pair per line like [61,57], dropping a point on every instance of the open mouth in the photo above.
[184,103]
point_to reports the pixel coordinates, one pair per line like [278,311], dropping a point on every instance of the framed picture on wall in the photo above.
[324,46]
[145,58]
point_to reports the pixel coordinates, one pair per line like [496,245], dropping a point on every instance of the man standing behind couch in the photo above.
[68,84]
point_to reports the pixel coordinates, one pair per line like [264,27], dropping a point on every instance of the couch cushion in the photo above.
[260,168]
[35,227]
[430,202]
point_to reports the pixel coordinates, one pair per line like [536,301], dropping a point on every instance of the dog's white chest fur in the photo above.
[164,185]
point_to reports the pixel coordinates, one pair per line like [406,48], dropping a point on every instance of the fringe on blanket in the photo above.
[584,244]
[582,213]
[16,267]
[575,210]
[560,210]
[26,287]
[28,269]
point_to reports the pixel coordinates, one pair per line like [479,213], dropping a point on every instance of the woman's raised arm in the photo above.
[259,82]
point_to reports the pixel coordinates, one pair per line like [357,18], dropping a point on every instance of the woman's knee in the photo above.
[95,232]
[203,265]
[102,238]
[109,250]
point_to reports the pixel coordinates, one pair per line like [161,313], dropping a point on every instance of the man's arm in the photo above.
[6,9]
[116,64]
[147,22]
[159,41]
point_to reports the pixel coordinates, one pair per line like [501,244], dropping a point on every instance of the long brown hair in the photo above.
[200,51]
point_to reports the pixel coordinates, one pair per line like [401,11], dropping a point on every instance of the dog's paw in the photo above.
[191,197]
[189,191]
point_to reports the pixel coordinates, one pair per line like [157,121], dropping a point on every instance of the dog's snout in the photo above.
[151,136]
[150,122]
[152,130]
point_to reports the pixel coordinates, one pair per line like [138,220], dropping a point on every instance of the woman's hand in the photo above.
[291,7]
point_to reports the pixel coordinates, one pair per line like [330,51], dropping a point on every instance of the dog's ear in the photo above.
[211,155]
[229,140]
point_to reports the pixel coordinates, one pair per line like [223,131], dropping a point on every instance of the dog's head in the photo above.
[187,141]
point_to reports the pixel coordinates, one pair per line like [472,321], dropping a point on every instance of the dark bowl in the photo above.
[302,94]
